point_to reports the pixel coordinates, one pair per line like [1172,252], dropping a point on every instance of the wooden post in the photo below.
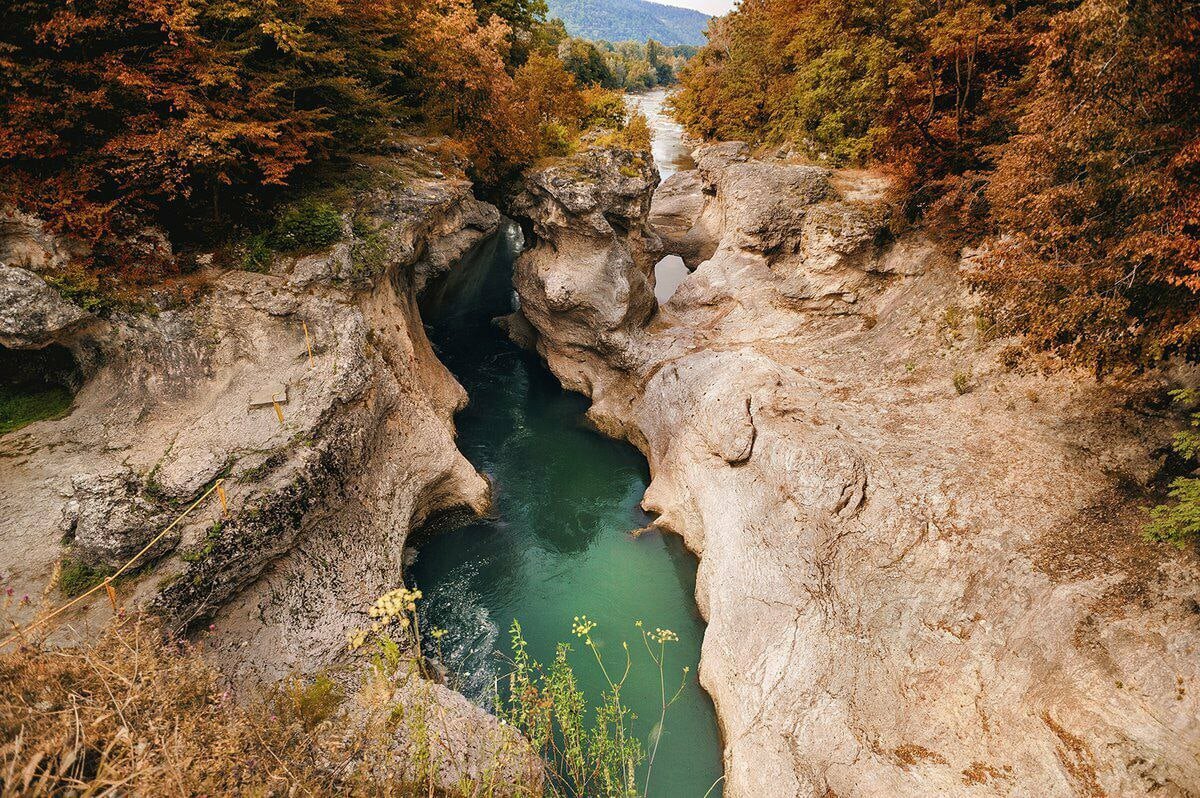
[308,344]
[112,594]
[278,409]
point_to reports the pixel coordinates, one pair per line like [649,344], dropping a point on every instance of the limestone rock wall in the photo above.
[320,505]
[910,591]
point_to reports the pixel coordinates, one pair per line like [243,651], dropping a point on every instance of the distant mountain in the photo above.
[630,20]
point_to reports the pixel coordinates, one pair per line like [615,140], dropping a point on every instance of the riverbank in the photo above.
[309,389]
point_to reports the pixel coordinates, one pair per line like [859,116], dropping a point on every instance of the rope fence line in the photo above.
[106,585]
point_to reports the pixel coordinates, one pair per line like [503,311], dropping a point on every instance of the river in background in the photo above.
[672,154]
[562,541]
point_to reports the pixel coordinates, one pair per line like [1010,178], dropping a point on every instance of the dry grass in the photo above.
[134,715]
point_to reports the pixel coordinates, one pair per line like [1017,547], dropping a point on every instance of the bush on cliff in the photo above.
[1178,521]
[134,714]
[1062,134]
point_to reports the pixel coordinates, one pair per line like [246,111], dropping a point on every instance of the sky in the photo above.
[707,6]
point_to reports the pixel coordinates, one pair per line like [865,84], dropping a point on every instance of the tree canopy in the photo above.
[119,113]
[1061,135]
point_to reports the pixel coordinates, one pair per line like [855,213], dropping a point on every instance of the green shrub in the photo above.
[75,577]
[603,109]
[369,254]
[636,136]
[257,257]
[306,225]
[556,140]
[310,703]
[962,382]
[1179,523]
[84,290]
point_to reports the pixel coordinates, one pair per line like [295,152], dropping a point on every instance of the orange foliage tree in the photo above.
[1098,194]
[114,109]
[119,113]
[466,87]
[1063,133]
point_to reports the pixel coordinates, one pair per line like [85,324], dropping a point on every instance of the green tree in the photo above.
[1179,521]
[583,60]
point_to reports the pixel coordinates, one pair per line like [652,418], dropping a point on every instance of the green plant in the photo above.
[76,577]
[309,224]
[962,382]
[309,703]
[369,253]
[84,290]
[952,318]
[1179,523]
[19,409]
[588,750]
[257,255]
[550,709]
[659,637]
[396,609]
[984,326]
[211,538]
[556,139]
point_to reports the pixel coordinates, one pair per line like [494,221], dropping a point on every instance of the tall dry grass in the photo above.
[133,714]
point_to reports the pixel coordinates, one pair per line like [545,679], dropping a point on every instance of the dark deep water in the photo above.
[560,544]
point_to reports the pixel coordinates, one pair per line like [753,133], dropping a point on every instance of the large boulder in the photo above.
[33,314]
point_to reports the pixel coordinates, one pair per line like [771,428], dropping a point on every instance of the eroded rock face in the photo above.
[321,501]
[909,591]
[590,210]
[108,520]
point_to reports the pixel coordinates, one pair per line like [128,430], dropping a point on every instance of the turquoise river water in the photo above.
[561,542]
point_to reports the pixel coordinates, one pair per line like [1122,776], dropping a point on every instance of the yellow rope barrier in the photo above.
[107,583]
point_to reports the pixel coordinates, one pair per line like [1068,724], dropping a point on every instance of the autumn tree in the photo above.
[583,60]
[1097,196]
[112,111]
[524,18]
[1062,132]
[726,88]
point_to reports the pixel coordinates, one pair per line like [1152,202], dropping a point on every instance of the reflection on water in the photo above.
[671,153]
[560,544]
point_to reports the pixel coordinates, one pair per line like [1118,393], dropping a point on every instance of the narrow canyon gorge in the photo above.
[913,586]
[914,563]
